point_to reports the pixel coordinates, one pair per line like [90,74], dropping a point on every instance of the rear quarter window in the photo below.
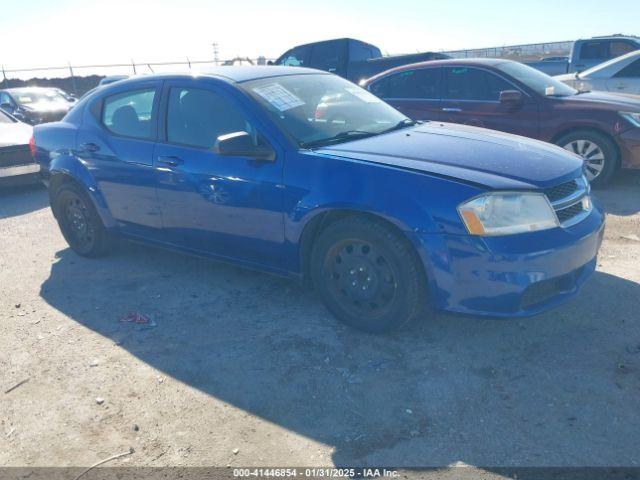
[630,71]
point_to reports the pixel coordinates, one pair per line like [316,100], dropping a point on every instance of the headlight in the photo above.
[506,213]
[632,117]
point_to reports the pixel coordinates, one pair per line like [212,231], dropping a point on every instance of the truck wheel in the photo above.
[368,276]
[79,221]
[598,151]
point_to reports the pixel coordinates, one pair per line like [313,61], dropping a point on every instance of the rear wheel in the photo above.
[598,151]
[368,276]
[79,221]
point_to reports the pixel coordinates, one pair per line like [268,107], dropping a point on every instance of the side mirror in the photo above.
[240,144]
[511,97]
[6,107]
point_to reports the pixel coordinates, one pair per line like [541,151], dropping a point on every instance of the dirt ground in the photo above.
[243,368]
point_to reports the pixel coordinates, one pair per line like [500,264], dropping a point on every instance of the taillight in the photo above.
[32,146]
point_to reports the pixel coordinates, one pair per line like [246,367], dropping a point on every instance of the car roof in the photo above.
[231,73]
[462,61]
[455,62]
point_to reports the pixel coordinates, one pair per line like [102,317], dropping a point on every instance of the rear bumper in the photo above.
[511,276]
[629,144]
[17,170]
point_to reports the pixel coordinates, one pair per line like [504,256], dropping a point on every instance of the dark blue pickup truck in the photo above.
[352,59]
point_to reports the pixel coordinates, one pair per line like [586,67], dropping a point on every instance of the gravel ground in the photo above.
[243,368]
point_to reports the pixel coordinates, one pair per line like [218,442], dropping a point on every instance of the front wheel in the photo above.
[79,221]
[598,152]
[368,276]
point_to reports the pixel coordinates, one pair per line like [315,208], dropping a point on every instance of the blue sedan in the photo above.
[383,215]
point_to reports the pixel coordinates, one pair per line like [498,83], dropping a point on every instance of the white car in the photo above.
[16,162]
[620,74]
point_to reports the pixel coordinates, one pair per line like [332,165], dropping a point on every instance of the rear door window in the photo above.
[326,56]
[464,83]
[359,52]
[606,49]
[130,113]
[422,84]
[620,47]
[594,50]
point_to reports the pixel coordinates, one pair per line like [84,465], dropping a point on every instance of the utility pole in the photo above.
[216,60]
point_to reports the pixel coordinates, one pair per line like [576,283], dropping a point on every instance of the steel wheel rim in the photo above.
[591,153]
[361,278]
[78,224]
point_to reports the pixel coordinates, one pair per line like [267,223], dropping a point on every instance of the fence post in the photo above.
[73,79]
[189,62]
[133,64]
[4,75]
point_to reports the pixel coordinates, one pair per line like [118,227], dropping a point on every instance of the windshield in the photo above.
[536,80]
[322,109]
[28,96]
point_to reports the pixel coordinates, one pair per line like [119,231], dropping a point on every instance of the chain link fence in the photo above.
[532,51]
[78,79]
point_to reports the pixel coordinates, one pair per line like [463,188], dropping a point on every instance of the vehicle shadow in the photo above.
[557,389]
[19,200]
[622,195]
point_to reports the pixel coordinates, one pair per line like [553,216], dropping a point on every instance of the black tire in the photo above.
[579,140]
[368,275]
[79,221]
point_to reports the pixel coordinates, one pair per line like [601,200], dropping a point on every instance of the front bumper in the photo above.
[514,275]
[629,144]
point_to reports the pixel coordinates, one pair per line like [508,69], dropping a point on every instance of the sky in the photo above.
[38,33]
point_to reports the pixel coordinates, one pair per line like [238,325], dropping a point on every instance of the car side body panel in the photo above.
[413,179]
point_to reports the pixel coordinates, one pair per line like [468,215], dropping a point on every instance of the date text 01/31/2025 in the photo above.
[316,472]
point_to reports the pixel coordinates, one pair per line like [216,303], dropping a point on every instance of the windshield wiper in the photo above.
[338,137]
[405,122]
[356,134]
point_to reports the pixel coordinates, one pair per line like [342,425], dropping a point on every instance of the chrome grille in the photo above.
[570,201]
[561,191]
[568,213]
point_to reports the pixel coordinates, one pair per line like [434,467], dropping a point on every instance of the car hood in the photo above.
[476,155]
[605,100]
[15,134]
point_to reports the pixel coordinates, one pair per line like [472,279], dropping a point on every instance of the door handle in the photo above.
[89,147]
[170,160]
[451,109]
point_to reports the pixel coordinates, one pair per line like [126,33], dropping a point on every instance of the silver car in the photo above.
[621,75]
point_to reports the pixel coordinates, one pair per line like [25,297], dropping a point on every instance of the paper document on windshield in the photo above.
[363,95]
[279,97]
